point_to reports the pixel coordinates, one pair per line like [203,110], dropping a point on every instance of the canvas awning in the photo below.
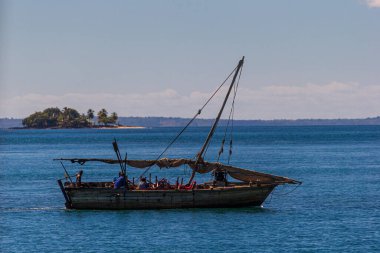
[244,175]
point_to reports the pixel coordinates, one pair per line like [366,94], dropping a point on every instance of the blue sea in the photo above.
[336,209]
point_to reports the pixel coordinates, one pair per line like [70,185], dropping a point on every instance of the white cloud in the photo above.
[373,3]
[332,100]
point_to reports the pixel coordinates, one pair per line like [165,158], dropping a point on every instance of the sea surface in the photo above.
[336,209]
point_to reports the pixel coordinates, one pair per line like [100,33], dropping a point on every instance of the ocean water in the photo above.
[336,209]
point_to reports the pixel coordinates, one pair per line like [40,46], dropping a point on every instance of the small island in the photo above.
[56,118]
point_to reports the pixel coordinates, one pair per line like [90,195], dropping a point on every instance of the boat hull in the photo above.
[106,198]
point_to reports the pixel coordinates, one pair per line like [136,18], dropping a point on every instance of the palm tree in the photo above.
[113,118]
[102,116]
[90,116]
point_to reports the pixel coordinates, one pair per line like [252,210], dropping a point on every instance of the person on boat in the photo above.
[78,178]
[163,184]
[220,178]
[143,185]
[120,181]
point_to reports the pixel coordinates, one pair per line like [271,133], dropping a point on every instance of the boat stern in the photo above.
[68,202]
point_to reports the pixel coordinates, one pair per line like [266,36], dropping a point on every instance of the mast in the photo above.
[212,130]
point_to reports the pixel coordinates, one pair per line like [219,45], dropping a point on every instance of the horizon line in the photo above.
[276,119]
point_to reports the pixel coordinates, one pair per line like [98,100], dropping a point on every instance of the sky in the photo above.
[303,59]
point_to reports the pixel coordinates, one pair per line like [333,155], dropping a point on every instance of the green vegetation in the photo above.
[67,118]
[104,119]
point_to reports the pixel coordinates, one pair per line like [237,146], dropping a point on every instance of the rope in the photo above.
[221,150]
[204,154]
[191,121]
[270,200]
[287,193]
[233,112]
[230,119]
[283,194]
[199,112]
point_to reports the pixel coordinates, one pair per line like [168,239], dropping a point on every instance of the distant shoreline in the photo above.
[95,127]
[148,122]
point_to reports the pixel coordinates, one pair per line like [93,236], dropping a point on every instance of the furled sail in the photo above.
[204,167]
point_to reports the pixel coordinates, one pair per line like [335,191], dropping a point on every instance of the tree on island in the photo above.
[90,115]
[103,116]
[70,118]
[47,118]
[104,119]
[67,118]
[55,118]
[113,118]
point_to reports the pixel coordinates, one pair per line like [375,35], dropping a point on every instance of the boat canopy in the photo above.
[244,175]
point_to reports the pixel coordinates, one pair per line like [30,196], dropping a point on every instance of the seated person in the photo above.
[120,182]
[78,178]
[220,178]
[143,185]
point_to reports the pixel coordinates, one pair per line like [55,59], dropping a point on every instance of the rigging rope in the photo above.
[221,150]
[233,111]
[191,121]
[230,119]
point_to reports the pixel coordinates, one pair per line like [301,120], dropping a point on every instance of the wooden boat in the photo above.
[250,189]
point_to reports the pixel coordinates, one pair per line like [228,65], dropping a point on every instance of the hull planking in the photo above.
[114,199]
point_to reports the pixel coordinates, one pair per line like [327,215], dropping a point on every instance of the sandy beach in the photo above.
[121,127]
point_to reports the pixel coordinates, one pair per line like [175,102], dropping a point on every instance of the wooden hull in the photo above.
[106,198]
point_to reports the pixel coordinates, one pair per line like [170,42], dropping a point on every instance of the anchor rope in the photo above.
[287,193]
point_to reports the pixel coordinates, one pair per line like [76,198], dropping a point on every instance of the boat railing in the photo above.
[203,186]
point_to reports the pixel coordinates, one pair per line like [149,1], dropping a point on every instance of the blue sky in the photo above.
[304,59]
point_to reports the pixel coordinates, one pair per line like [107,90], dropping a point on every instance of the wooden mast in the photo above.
[212,130]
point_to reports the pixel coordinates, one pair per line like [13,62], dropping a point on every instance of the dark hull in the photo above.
[106,198]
